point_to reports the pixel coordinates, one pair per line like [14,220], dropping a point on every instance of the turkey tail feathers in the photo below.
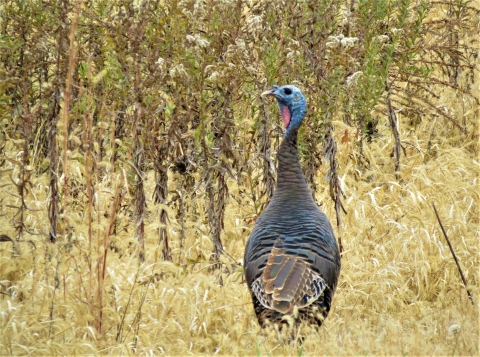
[287,282]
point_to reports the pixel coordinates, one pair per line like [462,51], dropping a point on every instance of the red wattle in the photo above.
[285,112]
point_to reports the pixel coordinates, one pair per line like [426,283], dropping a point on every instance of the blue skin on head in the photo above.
[290,98]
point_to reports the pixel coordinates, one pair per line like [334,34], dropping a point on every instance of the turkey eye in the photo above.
[287,91]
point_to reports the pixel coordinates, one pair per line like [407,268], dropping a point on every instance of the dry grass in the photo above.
[399,292]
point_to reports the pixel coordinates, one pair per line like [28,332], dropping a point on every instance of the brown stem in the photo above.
[72,55]
[140,205]
[88,146]
[392,117]
[336,192]
[160,162]
[454,255]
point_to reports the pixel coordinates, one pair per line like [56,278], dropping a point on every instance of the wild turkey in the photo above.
[292,262]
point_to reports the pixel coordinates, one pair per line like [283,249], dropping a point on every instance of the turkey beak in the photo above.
[269,92]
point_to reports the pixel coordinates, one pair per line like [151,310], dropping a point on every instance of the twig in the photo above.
[228,255]
[454,255]
[336,192]
[392,117]
[72,57]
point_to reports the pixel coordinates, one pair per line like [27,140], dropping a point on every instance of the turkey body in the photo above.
[291,262]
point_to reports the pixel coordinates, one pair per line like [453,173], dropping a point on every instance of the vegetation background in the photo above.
[136,153]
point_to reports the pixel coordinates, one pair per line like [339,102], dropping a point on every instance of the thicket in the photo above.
[128,91]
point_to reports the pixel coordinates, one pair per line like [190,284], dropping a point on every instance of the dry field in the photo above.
[400,292]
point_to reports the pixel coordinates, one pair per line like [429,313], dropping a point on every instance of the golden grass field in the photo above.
[399,293]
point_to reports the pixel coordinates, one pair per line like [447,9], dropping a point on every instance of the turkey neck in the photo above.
[291,183]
